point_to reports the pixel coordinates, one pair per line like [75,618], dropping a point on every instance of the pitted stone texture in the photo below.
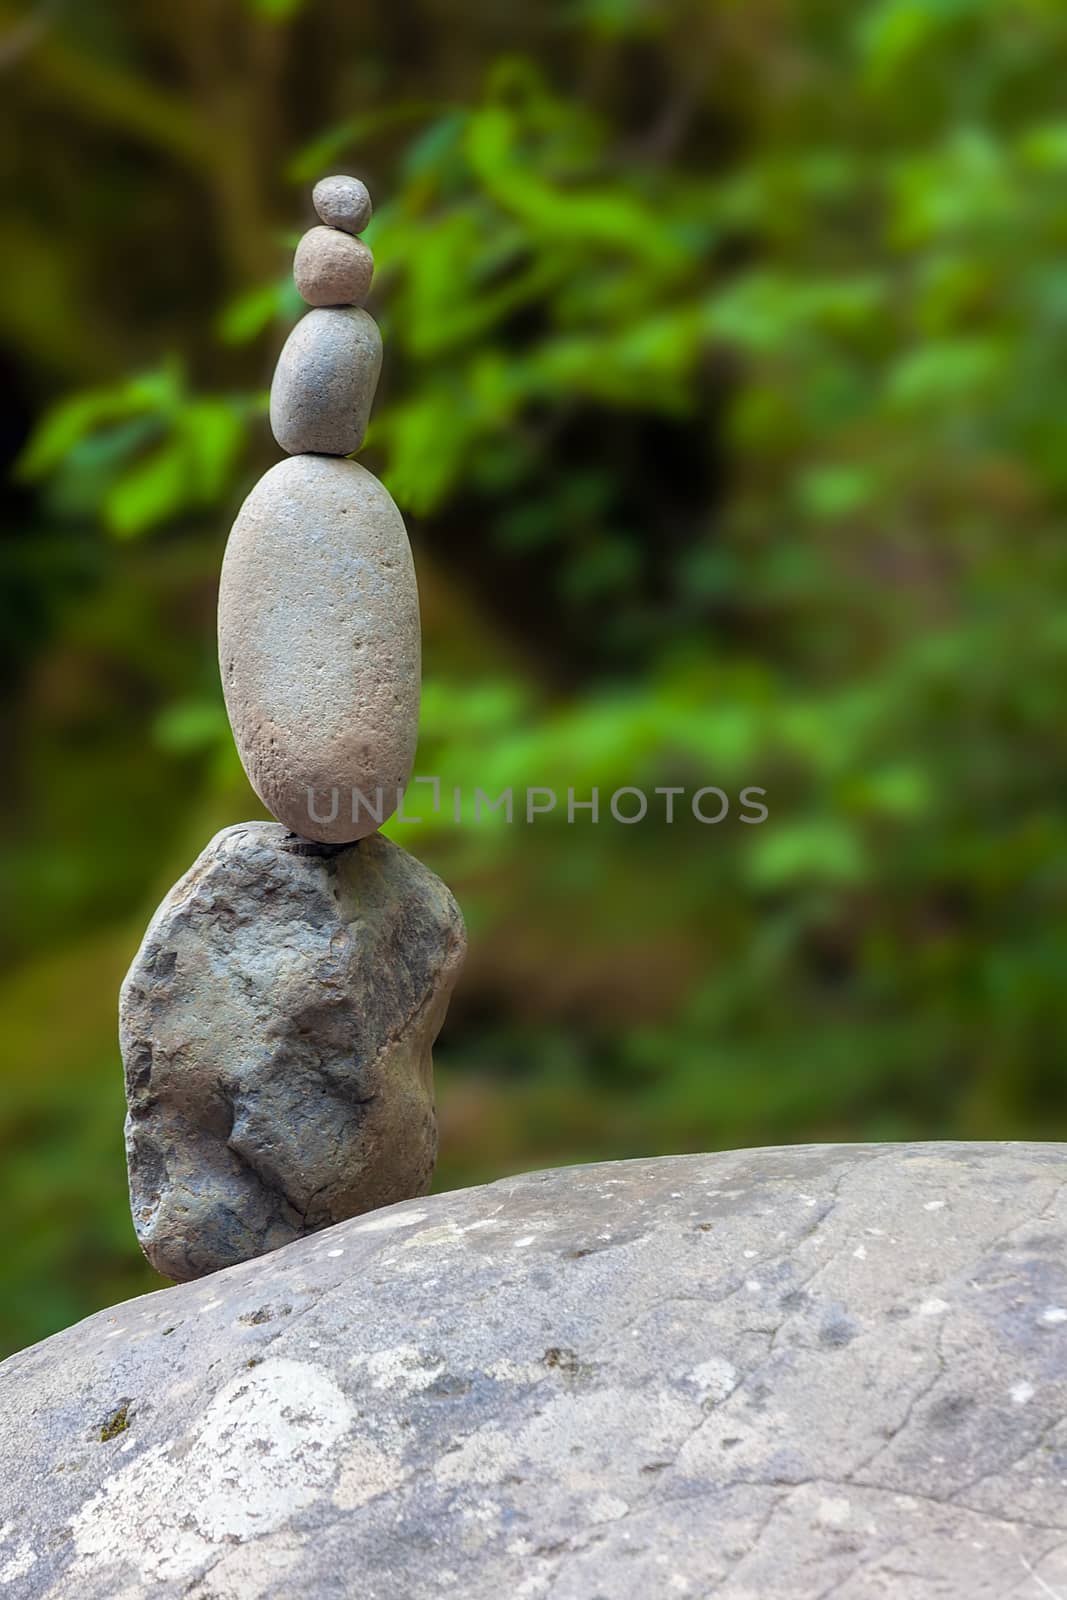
[324,382]
[342,202]
[332,268]
[276,1027]
[781,1374]
[319,647]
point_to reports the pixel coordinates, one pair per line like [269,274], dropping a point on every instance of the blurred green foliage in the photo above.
[725,396]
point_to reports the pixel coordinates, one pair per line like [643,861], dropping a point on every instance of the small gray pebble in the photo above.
[332,268]
[342,202]
[325,381]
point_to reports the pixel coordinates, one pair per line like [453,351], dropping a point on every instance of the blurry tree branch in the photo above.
[25,34]
[109,95]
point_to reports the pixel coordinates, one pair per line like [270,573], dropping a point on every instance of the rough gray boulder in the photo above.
[276,1027]
[766,1375]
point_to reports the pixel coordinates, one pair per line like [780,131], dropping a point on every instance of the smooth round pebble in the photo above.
[342,202]
[324,382]
[332,268]
[319,646]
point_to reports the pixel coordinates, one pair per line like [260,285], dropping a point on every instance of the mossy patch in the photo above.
[117,1423]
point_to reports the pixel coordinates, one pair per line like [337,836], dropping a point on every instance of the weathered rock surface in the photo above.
[767,1375]
[319,647]
[276,1027]
[324,382]
[332,268]
[342,202]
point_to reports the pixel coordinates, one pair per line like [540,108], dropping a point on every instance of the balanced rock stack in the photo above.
[277,1021]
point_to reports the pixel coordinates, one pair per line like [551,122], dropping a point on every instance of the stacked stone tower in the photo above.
[277,1021]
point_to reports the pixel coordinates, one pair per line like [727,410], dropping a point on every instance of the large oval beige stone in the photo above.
[319,647]
[325,381]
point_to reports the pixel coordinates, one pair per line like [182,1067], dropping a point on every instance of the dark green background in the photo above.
[726,399]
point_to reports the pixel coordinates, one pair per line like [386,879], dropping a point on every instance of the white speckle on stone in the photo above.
[212,1305]
[21,1559]
[716,1378]
[522,1244]
[833,1512]
[447,1233]
[260,1452]
[860,1252]
[809,1199]
[506,1370]
[585,1430]
[252,1571]
[608,1507]
[370,1468]
[332,1254]
[384,1223]
[749,1255]
[404,1369]
[934,1307]
[934,1205]
[753,1285]
[1054,1314]
[1021,1392]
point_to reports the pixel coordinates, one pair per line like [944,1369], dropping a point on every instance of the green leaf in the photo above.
[149,492]
[821,849]
[66,424]
[212,431]
[276,10]
[255,310]
[191,725]
[836,491]
[944,371]
[1045,146]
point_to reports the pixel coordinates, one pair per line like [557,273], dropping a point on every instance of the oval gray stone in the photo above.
[788,1373]
[319,647]
[325,380]
[276,1027]
[342,202]
[332,268]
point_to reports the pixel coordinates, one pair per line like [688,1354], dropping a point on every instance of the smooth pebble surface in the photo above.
[319,646]
[324,382]
[342,202]
[332,268]
[276,1027]
[705,1376]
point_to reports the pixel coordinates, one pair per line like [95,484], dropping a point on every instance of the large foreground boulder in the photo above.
[779,1374]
